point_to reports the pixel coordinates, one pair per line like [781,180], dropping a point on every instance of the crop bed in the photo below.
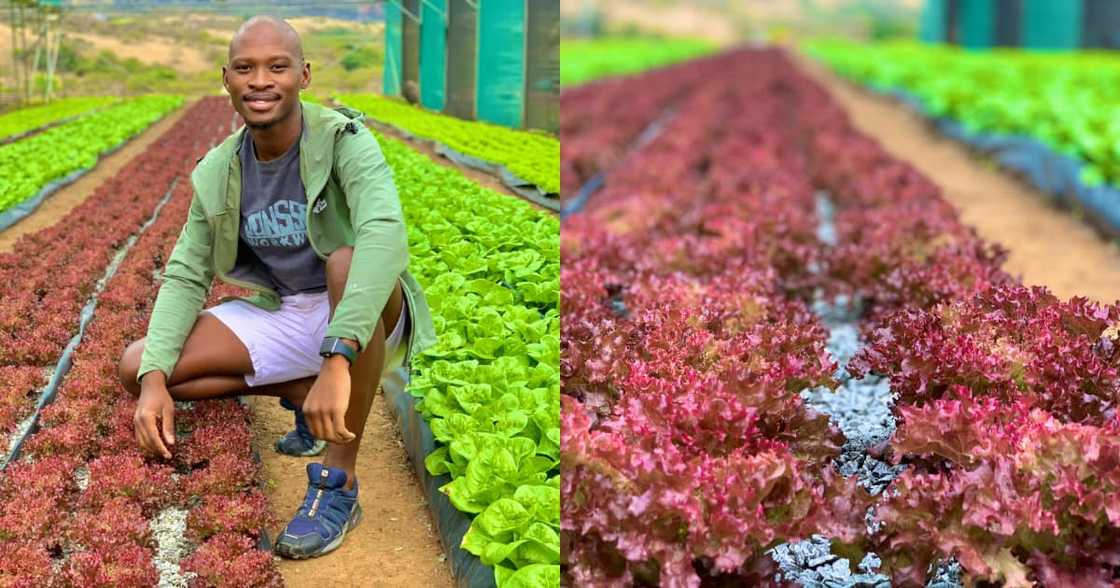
[26,121]
[589,147]
[1057,97]
[782,354]
[81,505]
[28,164]
[584,60]
[490,387]
[533,156]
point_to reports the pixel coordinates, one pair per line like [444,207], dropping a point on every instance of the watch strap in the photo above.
[335,346]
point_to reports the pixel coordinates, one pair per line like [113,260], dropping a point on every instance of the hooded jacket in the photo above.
[351,201]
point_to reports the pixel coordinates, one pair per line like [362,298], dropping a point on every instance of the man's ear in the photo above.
[305,76]
[225,82]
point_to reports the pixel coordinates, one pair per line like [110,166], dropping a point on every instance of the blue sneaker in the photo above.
[327,513]
[300,442]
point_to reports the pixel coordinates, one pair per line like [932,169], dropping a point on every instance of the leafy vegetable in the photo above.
[30,118]
[582,61]
[1064,99]
[490,387]
[27,165]
[531,155]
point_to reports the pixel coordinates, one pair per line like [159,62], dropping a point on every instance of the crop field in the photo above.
[532,156]
[785,358]
[72,146]
[1063,99]
[78,291]
[585,60]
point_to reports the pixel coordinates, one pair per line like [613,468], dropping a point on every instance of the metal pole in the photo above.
[15,52]
[41,26]
[436,9]
[52,58]
[415,17]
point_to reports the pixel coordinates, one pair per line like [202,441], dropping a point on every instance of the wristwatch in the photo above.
[335,346]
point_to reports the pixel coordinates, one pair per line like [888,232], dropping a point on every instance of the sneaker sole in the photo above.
[329,547]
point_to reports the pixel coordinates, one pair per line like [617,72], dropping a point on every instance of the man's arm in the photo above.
[186,280]
[381,241]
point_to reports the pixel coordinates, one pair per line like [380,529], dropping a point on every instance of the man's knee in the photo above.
[130,365]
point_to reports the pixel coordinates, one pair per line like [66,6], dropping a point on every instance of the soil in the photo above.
[477,176]
[1048,246]
[61,202]
[396,543]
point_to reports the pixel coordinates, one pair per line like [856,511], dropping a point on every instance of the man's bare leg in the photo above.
[213,364]
[365,374]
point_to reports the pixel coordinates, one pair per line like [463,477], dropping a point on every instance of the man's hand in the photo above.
[155,402]
[326,403]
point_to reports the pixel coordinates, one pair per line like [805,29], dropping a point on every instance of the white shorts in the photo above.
[284,344]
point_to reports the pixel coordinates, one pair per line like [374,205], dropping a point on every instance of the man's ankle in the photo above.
[351,475]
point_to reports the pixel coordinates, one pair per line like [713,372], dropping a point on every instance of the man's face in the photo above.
[264,76]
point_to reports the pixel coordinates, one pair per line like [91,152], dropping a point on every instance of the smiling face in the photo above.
[265,73]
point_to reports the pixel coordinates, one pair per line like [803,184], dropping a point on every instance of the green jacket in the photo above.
[351,200]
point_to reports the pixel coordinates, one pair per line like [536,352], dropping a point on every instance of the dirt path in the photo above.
[61,202]
[395,544]
[1048,246]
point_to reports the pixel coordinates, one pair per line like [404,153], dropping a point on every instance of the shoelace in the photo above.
[318,493]
[321,504]
[318,497]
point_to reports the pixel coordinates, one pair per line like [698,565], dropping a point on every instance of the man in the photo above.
[300,207]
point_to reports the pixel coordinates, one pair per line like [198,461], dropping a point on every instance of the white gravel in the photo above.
[169,531]
[81,477]
[861,408]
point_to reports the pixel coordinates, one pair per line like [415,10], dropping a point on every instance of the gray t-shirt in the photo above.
[273,232]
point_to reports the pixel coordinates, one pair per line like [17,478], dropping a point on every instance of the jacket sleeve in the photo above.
[380,240]
[186,280]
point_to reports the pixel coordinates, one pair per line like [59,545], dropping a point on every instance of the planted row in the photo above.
[603,119]
[688,452]
[29,164]
[490,387]
[31,118]
[1058,98]
[48,276]
[1006,395]
[95,527]
[584,60]
[531,155]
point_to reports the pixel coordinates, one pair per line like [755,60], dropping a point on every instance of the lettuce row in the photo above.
[490,387]
[29,164]
[531,155]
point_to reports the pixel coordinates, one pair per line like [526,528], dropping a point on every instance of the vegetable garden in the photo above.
[73,146]
[82,506]
[786,361]
[1044,115]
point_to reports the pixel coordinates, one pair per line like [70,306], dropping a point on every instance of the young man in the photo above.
[300,207]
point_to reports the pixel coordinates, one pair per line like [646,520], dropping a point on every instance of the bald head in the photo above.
[271,28]
[265,74]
